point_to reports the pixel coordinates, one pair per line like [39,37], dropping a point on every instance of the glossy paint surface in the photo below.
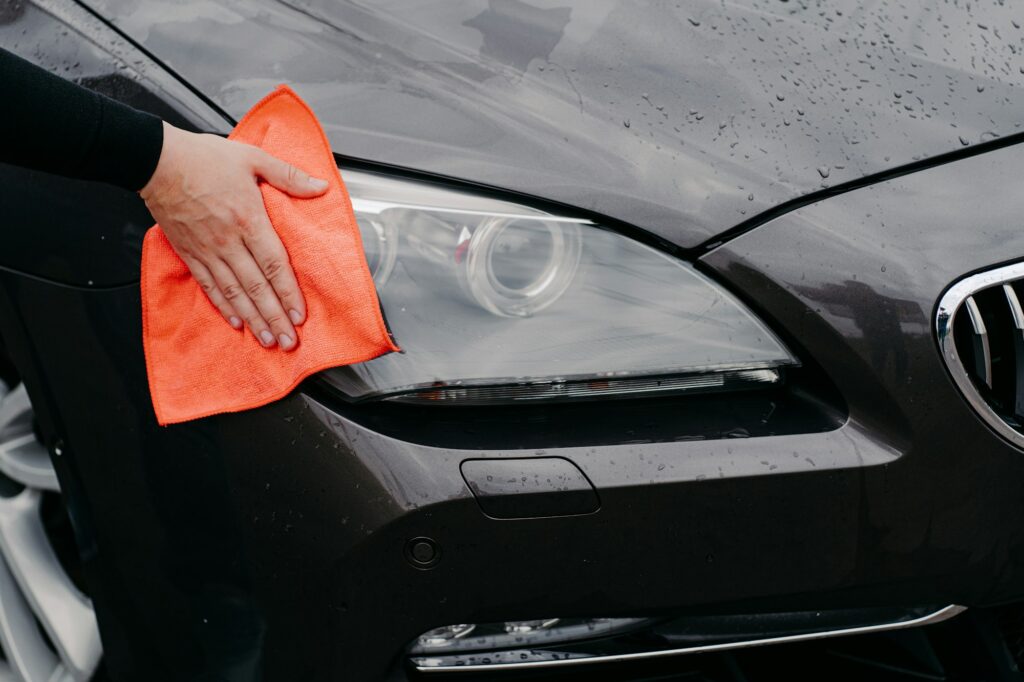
[679,118]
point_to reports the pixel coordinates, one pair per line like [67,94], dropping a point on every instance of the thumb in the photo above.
[287,177]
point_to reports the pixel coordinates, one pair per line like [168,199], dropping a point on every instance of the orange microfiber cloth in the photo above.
[198,365]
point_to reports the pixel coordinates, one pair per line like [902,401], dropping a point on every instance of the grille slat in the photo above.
[1017,312]
[980,327]
[981,351]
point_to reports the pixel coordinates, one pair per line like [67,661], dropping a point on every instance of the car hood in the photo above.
[681,118]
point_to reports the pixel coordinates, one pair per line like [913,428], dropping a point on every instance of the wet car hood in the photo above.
[682,118]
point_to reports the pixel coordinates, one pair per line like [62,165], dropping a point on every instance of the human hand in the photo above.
[204,194]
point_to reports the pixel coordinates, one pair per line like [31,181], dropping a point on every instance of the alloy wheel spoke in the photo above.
[64,612]
[28,656]
[22,457]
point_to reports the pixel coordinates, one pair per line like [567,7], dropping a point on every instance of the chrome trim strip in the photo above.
[980,340]
[945,315]
[1018,348]
[929,619]
[374,206]
[975,314]
[1015,309]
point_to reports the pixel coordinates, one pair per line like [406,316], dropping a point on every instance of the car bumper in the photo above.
[278,539]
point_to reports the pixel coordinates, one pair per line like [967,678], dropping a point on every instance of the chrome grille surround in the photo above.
[959,300]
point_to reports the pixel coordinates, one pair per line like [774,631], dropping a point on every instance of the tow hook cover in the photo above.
[529,487]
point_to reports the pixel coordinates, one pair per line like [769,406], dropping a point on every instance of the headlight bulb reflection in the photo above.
[509,266]
[516,267]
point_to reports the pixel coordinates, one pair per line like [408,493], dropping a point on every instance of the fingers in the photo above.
[272,258]
[244,286]
[261,293]
[287,177]
[209,286]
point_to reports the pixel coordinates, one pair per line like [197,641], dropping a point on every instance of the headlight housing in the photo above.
[495,302]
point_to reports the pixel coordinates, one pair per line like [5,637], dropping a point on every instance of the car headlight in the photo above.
[495,302]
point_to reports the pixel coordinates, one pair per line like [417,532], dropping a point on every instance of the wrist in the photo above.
[166,162]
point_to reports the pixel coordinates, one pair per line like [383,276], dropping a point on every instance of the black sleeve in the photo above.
[53,125]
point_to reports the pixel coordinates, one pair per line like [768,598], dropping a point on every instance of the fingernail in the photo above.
[296,317]
[235,322]
[267,338]
[286,341]
[317,183]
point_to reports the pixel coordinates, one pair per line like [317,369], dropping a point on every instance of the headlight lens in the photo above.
[496,302]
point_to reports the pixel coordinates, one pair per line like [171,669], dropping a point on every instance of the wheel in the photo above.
[48,629]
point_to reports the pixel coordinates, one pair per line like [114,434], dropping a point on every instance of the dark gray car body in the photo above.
[273,540]
[666,116]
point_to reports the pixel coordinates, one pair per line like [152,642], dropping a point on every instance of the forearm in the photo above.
[56,126]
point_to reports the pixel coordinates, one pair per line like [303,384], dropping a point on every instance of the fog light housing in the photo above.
[467,638]
[442,637]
